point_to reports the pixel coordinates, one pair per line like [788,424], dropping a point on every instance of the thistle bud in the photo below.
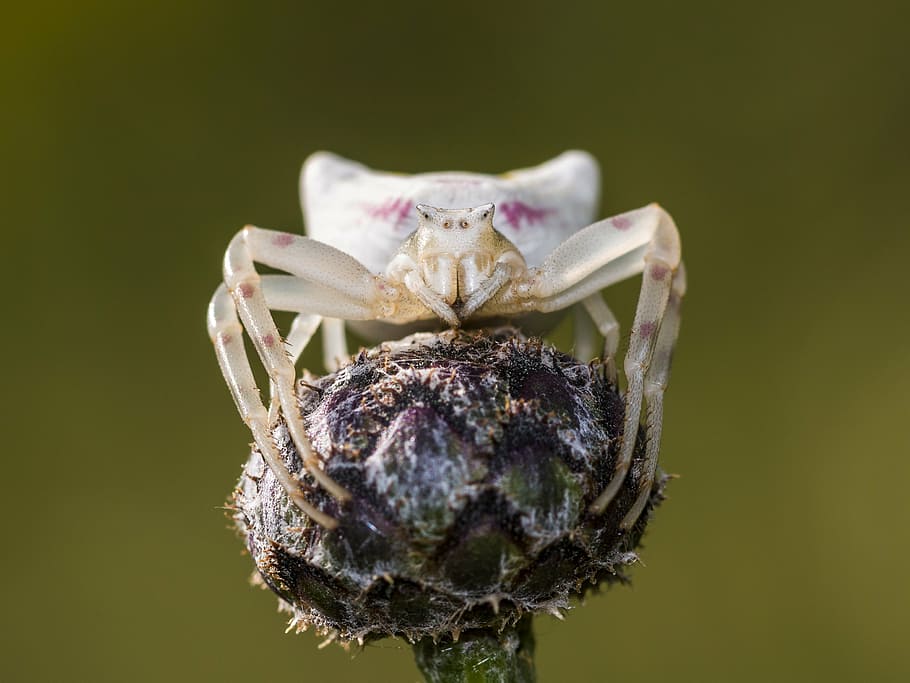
[471,461]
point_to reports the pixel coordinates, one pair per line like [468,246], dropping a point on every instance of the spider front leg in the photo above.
[655,385]
[226,333]
[642,241]
[328,283]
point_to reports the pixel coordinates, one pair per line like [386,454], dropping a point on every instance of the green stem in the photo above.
[481,656]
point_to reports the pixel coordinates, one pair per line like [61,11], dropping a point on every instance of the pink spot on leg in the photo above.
[647,329]
[226,338]
[517,212]
[621,222]
[246,290]
[659,271]
[283,239]
[269,340]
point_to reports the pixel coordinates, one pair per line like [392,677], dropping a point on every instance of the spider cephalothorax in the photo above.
[379,251]
[456,261]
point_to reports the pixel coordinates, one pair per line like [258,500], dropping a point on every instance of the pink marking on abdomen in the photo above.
[517,211]
[394,210]
[621,222]
[283,239]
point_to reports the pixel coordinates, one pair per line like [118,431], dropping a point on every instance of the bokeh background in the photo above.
[137,137]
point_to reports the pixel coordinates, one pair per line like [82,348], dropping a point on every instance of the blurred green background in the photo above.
[137,137]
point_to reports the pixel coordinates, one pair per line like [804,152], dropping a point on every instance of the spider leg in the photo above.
[641,241]
[302,330]
[584,334]
[226,333]
[334,344]
[656,381]
[404,270]
[328,283]
[608,326]
[501,274]
[430,299]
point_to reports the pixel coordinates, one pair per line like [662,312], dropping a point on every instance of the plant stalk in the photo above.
[480,656]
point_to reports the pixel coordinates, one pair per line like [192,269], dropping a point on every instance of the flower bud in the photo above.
[471,461]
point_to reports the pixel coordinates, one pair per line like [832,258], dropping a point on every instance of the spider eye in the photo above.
[486,214]
[426,215]
[446,224]
[465,224]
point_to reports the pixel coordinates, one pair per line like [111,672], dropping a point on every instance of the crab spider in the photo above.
[384,259]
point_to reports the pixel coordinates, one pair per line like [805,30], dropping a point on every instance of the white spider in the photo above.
[372,256]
